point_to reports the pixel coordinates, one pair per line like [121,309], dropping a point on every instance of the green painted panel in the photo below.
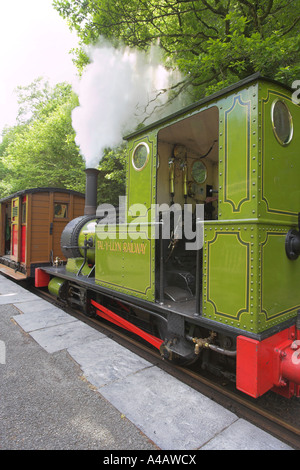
[248,281]
[280,163]
[226,275]
[237,153]
[141,183]
[280,294]
[126,263]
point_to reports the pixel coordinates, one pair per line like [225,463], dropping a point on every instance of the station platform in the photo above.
[66,386]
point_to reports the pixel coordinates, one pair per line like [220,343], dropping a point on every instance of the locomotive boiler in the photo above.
[201,258]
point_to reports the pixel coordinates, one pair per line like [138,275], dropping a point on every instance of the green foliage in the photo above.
[213,42]
[111,180]
[41,150]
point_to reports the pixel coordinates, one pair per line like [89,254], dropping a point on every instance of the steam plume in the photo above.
[116,92]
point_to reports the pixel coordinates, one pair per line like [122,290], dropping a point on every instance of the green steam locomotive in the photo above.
[201,258]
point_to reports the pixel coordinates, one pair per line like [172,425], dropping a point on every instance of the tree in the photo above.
[213,42]
[32,99]
[111,180]
[41,150]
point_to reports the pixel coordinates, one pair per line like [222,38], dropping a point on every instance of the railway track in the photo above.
[222,392]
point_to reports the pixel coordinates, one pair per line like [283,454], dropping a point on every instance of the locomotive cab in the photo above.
[172,179]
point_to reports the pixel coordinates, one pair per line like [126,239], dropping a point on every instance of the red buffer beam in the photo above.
[107,314]
[271,364]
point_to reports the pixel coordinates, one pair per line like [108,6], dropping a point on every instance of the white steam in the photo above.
[118,89]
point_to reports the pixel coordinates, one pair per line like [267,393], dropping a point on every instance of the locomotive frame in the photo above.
[234,305]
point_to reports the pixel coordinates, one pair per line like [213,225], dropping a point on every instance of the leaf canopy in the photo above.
[213,42]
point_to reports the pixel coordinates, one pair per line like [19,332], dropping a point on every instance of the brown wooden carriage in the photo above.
[31,223]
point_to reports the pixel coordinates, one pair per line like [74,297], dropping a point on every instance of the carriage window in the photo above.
[282,122]
[140,156]
[60,210]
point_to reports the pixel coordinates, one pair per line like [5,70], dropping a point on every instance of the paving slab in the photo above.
[37,318]
[242,435]
[6,285]
[56,338]
[36,305]
[171,413]
[104,361]
[15,295]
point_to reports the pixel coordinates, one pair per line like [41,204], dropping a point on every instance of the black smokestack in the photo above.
[91,191]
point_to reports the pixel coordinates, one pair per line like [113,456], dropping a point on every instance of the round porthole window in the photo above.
[282,122]
[140,156]
[199,172]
